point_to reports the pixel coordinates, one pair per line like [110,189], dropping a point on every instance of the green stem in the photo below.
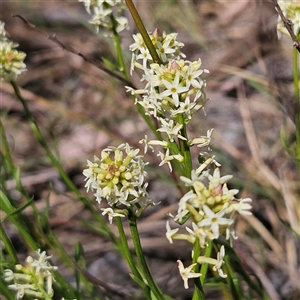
[147,277]
[119,48]
[198,291]
[8,245]
[125,247]
[204,267]
[297,105]
[11,167]
[185,149]
[232,280]
[143,31]
[122,64]
[20,221]
[38,135]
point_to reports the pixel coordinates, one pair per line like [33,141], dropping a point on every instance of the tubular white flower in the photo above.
[171,129]
[218,263]
[111,214]
[187,273]
[167,158]
[212,220]
[192,75]
[201,234]
[173,89]
[170,232]
[203,140]
[216,179]
[243,206]
[42,264]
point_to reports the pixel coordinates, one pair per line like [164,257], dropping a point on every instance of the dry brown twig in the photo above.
[96,63]
[288,24]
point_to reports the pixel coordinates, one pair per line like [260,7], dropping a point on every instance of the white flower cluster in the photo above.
[174,89]
[166,45]
[291,10]
[11,60]
[107,13]
[34,279]
[173,92]
[120,180]
[212,209]
[213,212]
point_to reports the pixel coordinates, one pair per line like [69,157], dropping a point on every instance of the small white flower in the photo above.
[11,61]
[200,233]
[192,75]
[213,220]
[122,23]
[243,206]
[218,263]
[8,275]
[170,232]
[203,140]
[145,56]
[166,159]
[215,179]
[230,234]
[187,273]
[173,89]
[194,177]
[163,49]
[42,264]
[185,108]
[171,129]
[111,214]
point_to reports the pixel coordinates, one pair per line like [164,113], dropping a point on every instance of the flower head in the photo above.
[118,176]
[107,14]
[291,10]
[167,48]
[212,206]
[11,60]
[33,279]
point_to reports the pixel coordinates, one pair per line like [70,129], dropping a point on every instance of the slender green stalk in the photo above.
[204,267]
[140,255]
[122,64]
[128,257]
[118,48]
[8,245]
[38,135]
[297,105]
[20,221]
[233,281]
[185,149]
[198,291]
[125,247]
[11,167]
[139,24]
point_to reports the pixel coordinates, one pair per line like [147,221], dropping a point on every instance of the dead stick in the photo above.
[288,25]
[96,63]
